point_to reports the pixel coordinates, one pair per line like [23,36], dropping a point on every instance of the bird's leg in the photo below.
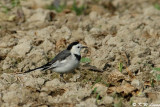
[62,78]
[61,75]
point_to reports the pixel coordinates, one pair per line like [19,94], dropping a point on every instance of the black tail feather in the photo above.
[33,70]
[44,67]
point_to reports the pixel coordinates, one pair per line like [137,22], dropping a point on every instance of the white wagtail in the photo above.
[66,61]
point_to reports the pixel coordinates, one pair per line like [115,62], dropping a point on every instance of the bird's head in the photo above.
[75,47]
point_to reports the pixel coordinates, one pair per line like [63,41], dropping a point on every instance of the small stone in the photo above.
[46,45]
[53,83]
[135,83]
[114,41]
[3,45]
[14,86]
[6,65]
[93,16]
[30,82]
[40,81]
[140,100]
[22,48]
[75,77]
[95,32]
[39,15]
[91,102]
[77,35]
[89,40]
[10,97]
[106,100]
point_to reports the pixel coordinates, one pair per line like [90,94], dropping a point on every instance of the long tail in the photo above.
[44,67]
[41,68]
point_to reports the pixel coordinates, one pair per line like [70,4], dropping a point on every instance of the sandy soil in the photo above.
[118,32]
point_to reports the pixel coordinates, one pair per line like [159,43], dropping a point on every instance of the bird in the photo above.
[65,61]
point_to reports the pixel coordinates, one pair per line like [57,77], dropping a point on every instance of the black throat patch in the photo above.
[78,57]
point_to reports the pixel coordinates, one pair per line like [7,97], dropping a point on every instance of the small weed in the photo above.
[94,90]
[120,66]
[156,74]
[152,82]
[85,60]
[58,8]
[97,97]
[131,101]
[96,1]
[13,4]
[156,69]
[97,81]
[78,10]
[157,6]
[4,8]
[158,77]
[118,104]
[49,58]
[107,84]
[85,81]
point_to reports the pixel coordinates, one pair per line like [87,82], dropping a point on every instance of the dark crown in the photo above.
[71,45]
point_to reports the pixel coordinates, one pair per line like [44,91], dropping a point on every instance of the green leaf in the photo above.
[78,10]
[85,60]
[58,9]
[158,77]
[119,104]
[152,82]
[157,6]
[97,97]
[95,90]
[156,69]
[120,66]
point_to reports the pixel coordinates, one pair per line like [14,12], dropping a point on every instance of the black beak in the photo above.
[84,47]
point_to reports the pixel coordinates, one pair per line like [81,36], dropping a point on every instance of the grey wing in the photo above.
[56,60]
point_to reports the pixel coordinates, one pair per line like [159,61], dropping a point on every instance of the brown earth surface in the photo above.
[123,37]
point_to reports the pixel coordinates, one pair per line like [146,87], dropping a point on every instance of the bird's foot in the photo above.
[62,78]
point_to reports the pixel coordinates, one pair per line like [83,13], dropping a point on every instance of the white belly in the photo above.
[67,65]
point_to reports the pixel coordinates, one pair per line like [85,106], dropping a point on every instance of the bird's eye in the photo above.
[78,47]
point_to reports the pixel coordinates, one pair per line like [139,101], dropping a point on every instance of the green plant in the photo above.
[107,84]
[85,60]
[78,10]
[157,75]
[152,82]
[58,8]
[96,81]
[157,6]
[119,103]
[156,69]
[12,4]
[96,1]
[15,3]
[98,97]
[94,90]
[4,8]
[120,66]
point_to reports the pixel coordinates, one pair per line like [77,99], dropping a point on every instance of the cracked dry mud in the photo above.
[116,32]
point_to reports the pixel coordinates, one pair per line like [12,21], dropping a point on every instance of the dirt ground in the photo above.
[122,66]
